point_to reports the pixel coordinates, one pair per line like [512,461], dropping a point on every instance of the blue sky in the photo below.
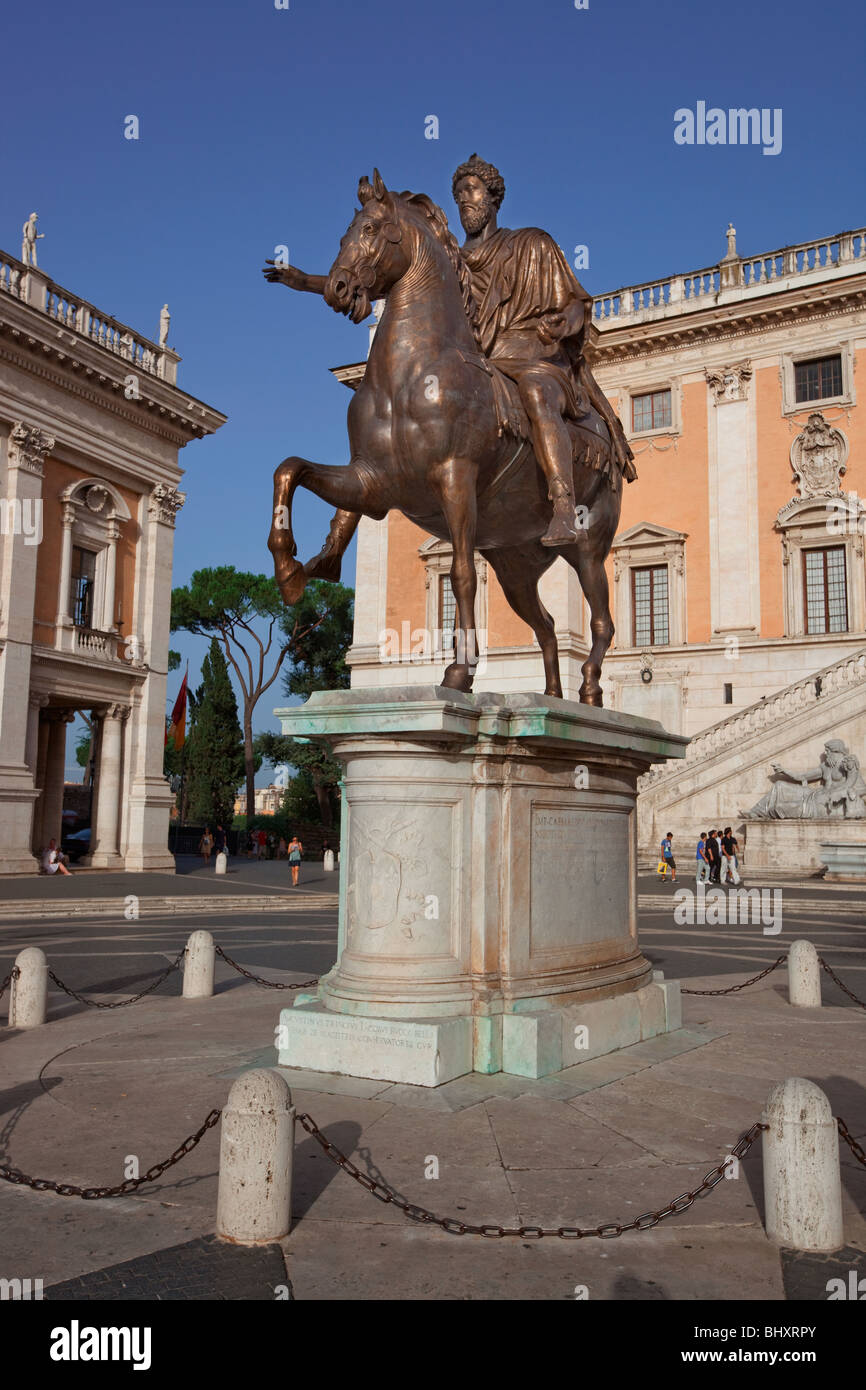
[255,124]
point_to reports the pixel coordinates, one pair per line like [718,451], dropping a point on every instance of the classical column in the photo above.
[55,775]
[108,623]
[23,453]
[64,617]
[35,706]
[149,796]
[39,781]
[103,846]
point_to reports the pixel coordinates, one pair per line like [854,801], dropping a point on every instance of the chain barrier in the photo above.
[732,989]
[118,1003]
[607,1231]
[844,1133]
[844,988]
[13,975]
[267,984]
[66,1189]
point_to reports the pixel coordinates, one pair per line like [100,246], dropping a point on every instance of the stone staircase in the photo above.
[726,766]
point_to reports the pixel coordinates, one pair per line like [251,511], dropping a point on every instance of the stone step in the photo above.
[29,909]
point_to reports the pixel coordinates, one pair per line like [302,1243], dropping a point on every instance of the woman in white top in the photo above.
[52,862]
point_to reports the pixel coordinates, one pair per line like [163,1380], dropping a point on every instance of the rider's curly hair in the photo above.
[487,173]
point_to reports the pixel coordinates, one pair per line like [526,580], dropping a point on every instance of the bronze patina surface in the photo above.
[478,417]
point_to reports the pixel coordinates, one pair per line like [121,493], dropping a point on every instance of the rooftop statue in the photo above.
[478,417]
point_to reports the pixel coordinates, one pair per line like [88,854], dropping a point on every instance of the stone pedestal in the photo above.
[797,845]
[488,913]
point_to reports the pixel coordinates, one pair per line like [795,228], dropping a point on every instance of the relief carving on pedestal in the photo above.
[392,871]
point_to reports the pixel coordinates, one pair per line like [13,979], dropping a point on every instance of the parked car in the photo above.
[77,845]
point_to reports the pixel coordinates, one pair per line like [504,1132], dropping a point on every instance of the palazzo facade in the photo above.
[91,424]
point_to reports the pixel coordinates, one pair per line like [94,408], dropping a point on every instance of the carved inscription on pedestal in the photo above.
[579,871]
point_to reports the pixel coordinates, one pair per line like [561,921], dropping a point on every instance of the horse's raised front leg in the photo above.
[346,488]
[457,483]
[328,563]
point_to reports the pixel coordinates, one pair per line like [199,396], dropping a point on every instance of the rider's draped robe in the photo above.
[518,276]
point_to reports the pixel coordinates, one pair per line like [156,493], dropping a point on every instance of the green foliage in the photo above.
[82,749]
[216,601]
[312,795]
[214,758]
[321,622]
[173,660]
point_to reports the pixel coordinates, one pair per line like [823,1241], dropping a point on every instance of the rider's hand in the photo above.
[552,327]
[283,274]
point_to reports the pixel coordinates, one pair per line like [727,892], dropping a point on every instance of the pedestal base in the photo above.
[430,1052]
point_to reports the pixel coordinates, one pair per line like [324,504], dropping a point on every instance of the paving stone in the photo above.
[200,1269]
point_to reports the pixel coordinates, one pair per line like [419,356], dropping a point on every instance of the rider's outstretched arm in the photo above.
[294,278]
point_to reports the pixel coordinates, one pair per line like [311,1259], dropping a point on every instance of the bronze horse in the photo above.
[426,437]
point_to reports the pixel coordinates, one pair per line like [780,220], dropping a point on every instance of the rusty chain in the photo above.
[844,988]
[13,975]
[268,984]
[844,1133]
[118,1003]
[608,1231]
[732,989]
[65,1189]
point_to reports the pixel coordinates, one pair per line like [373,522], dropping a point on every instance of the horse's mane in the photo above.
[446,237]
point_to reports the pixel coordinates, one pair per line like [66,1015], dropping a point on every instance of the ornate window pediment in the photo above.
[649,546]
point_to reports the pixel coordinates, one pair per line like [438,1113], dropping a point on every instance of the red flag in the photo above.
[176,730]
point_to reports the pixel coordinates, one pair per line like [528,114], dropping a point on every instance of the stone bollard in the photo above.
[30,991]
[221,862]
[254,1204]
[802,1183]
[198,966]
[329,861]
[804,976]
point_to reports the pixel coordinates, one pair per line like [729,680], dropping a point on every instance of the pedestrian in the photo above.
[667,853]
[729,863]
[713,855]
[205,845]
[219,842]
[52,860]
[702,862]
[282,851]
[261,839]
[296,849]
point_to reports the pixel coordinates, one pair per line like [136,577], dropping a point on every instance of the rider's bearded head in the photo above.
[474,216]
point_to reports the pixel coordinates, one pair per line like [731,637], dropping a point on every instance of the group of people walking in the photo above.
[717,857]
[260,846]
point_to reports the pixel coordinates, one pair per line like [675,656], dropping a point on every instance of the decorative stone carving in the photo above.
[28,446]
[96,497]
[730,383]
[840,791]
[818,458]
[165,503]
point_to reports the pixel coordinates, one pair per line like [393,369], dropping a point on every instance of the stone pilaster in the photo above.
[25,451]
[104,849]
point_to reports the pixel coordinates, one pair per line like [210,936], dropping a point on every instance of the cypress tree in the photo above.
[215,754]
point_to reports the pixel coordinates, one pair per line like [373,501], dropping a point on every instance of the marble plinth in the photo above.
[845,862]
[796,845]
[488,872]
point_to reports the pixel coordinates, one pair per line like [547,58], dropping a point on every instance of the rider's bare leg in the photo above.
[544,403]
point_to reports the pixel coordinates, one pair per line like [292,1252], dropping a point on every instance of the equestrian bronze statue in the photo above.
[477,417]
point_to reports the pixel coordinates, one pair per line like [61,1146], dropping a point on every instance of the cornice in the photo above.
[81,368]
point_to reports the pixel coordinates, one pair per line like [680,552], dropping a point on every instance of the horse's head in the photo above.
[373,252]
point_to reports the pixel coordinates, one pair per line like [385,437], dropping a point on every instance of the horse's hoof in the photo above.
[458,678]
[324,566]
[291,580]
[554,690]
[592,697]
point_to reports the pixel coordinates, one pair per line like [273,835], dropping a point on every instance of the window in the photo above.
[83,581]
[817,379]
[729,693]
[649,590]
[826,590]
[651,412]
[447,612]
